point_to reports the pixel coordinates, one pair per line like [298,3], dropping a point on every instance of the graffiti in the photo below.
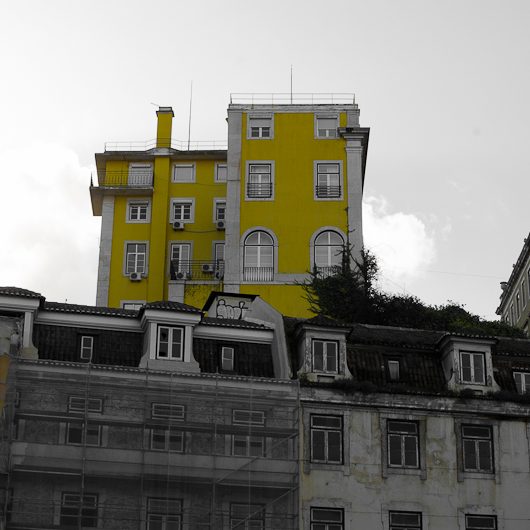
[225,310]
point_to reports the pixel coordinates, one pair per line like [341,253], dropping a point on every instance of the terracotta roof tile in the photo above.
[17,291]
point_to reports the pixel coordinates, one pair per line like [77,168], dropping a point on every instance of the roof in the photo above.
[17,291]
[170,306]
[393,336]
[232,323]
[90,310]
[323,321]
[214,294]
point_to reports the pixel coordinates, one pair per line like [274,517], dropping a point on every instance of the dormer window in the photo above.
[325,356]
[472,368]
[170,344]
[522,382]
[227,359]
[87,348]
[392,367]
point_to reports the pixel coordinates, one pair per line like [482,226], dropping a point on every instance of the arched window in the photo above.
[258,257]
[329,249]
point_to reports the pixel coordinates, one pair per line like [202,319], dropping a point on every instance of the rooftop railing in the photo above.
[179,145]
[197,270]
[264,98]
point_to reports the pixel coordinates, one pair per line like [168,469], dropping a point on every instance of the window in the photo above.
[167,440]
[182,210]
[403,444]
[392,366]
[522,382]
[227,359]
[472,368]
[248,417]
[83,434]
[523,293]
[260,126]
[181,258]
[133,305]
[170,344]
[326,126]
[138,212]
[326,439]
[136,258]
[329,249]
[167,411]
[481,522]
[327,519]
[219,210]
[221,172]
[81,404]
[259,181]
[404,521]
[517,305]
[512,315]
[87,347]
[258,257]
[164,514]
[477,448]
[247,517]
[77,511]
[247,445]
[328,180]
[183,173]
[325,356]
[140,174]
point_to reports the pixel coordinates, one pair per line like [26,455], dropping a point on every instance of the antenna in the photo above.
[189,121]
[291,84]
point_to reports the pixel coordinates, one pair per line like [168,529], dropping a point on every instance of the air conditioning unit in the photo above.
[207,267]
[178,225]
[183,275]
[135,276]
[220,225]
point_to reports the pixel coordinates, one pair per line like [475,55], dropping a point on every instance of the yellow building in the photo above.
[284,197]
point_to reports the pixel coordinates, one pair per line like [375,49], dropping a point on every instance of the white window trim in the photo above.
[170,341]
[260,116]
[312,428]
[97,404]
[315,180]
[188,242]
[133,242]
[472,353]
[179,200]
[325,116]
[216,201]
[247,176]
[525,389]
[337,360]
[180,411]
[216,174]
[228,350]
[182,164]
[131,202]
[86,350]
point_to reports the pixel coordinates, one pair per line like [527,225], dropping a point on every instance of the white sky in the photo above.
[443,85]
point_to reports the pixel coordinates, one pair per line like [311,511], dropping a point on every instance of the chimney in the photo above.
[504,286]
[163,129]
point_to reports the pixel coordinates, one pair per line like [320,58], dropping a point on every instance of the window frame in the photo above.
[324,116]
[182,201]
[248,173]
[524,386]
[472,367]
[405,526]
[132,203]
[171,330]
[231,359]
[126,271]
[403,435]
[86,351]
[476,441]
[240,523]
[184,265]
[313,429]
[163,515]
[179,415]
[93,405]
[146,177]
[317,173]
[249,442]
[167,434]
[269,117]
[80,507]
[260,271]
[83,428]
[178,165]
[395,362]
[323,524]
[474,527]
[218,166]
[325,369]
[219,204]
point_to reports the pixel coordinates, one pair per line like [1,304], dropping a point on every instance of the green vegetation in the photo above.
[351,296]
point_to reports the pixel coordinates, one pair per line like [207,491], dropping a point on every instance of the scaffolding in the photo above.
[127,448]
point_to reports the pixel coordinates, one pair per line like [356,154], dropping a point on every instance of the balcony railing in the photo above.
[197,270]
[326,272]
[259,190]
[328,192]
[122,179]
[264,98]
[258,274]
[179,145]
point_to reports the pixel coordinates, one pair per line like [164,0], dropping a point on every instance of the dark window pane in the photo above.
[394,450]
[318,449]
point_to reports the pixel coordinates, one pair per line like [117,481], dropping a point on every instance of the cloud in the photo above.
[49,235]
[400,241]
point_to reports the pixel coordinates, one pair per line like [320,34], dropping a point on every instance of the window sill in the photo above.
[422,473]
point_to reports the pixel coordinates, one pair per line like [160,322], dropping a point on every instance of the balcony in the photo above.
[258,274]
[126,179]
[212,271]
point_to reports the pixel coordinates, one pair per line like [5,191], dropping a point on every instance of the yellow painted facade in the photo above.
[290,211]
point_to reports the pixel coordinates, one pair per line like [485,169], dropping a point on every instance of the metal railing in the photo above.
[265,98]
[179,145]
[197,270]
[326,272]
[258,274]
[121,179]
[328,192]
[259,190]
